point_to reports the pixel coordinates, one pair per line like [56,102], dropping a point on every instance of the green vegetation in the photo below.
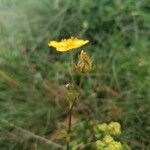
[32,75]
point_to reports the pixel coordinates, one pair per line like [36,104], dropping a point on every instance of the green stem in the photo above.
[81,81]
[71,70]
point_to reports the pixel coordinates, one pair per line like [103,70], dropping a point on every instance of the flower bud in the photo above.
[84,63]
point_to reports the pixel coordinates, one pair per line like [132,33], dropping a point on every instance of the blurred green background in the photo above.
[32,76]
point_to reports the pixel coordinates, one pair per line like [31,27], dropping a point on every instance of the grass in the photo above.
[32,76]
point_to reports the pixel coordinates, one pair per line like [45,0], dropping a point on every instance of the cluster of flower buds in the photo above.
[108,143]
[84,64]
[113,128]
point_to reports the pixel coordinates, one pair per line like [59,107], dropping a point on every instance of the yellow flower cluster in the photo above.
[114,128]
[102,127]
[67,44]
[108,143]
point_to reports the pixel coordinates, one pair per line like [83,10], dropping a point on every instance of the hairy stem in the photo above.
[70,125]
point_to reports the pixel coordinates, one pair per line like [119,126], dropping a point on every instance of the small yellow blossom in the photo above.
[108,139]
[67,44]
[84,64]
[99,145]
[103,127]
[114,145]
[108,143]
[114,128]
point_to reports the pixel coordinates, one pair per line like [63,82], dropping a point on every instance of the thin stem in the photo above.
[81,81]
[71,68]
[70,120]
[70,124]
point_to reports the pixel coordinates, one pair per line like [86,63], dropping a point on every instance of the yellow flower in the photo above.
[84,64]
[108,143]
[67,44]
[99,145]
[103,127]
[114,128]
[108,139]
[114,145]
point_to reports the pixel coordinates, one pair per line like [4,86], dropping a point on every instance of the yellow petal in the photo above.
[67,44]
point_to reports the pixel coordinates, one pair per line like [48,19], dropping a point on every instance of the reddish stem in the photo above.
[70,124]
